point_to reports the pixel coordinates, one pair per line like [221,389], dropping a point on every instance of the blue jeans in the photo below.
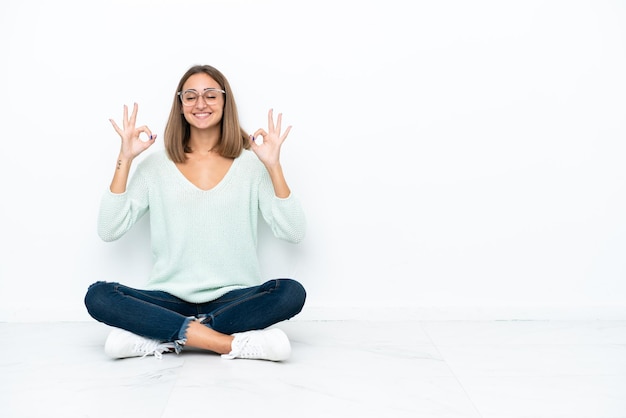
[161,316]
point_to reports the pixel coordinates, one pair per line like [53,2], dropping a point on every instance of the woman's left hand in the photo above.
[268,151]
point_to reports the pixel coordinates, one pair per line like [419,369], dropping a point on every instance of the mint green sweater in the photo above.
[204,243]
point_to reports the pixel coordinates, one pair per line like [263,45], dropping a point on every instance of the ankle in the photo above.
[205,338]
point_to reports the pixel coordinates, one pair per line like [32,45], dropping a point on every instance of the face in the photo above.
[208,108]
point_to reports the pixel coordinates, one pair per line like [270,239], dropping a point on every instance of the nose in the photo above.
[201,102]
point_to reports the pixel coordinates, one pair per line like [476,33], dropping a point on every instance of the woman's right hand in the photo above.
[132,144]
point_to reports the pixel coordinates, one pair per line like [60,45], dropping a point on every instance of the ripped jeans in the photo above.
[161,316]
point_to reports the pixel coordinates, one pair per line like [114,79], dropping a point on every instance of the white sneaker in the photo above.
[122,344]
[270,344]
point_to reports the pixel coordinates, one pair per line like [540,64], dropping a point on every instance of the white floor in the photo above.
[433,369]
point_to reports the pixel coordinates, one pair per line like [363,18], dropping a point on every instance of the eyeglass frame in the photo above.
[180,95]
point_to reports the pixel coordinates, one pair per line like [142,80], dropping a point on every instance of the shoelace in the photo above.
[149,347]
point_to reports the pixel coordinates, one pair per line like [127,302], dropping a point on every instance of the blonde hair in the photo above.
[234,138]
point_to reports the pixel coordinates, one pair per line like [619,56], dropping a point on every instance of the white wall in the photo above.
[456,159]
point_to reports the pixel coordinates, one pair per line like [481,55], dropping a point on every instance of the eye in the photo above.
[189,96]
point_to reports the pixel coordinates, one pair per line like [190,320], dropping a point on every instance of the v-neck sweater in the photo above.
[204,242]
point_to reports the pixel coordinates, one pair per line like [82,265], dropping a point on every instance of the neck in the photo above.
[203,151]
[203,144]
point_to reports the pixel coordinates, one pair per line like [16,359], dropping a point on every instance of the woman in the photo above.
[204,193]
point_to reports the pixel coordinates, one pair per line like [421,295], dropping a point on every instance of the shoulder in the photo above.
[154,161]
[248,156]
[249,161]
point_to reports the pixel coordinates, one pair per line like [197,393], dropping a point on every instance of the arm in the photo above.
[118,212]
[131,147]
[283,211]
[268,152]
[281,189]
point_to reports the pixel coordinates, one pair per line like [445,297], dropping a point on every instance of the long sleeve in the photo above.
[284,216]
[204,242]
[119,212]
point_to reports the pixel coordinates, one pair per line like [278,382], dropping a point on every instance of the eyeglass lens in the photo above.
[190,97]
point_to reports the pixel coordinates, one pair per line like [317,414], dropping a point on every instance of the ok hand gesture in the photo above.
[268,150]
[132,145]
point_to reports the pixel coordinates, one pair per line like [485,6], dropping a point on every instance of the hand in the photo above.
[132,145]
[269,151]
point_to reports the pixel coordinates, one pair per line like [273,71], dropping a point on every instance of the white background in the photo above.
[456,159]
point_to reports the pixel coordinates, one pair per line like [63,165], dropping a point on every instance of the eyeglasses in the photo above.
[210,96]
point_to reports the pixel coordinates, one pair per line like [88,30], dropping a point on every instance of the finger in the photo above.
[125,119]
[258,138]
[284,136]
[133,116]
[146,131]
[278,122]
[270,120]
[117,128]
[150,140]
